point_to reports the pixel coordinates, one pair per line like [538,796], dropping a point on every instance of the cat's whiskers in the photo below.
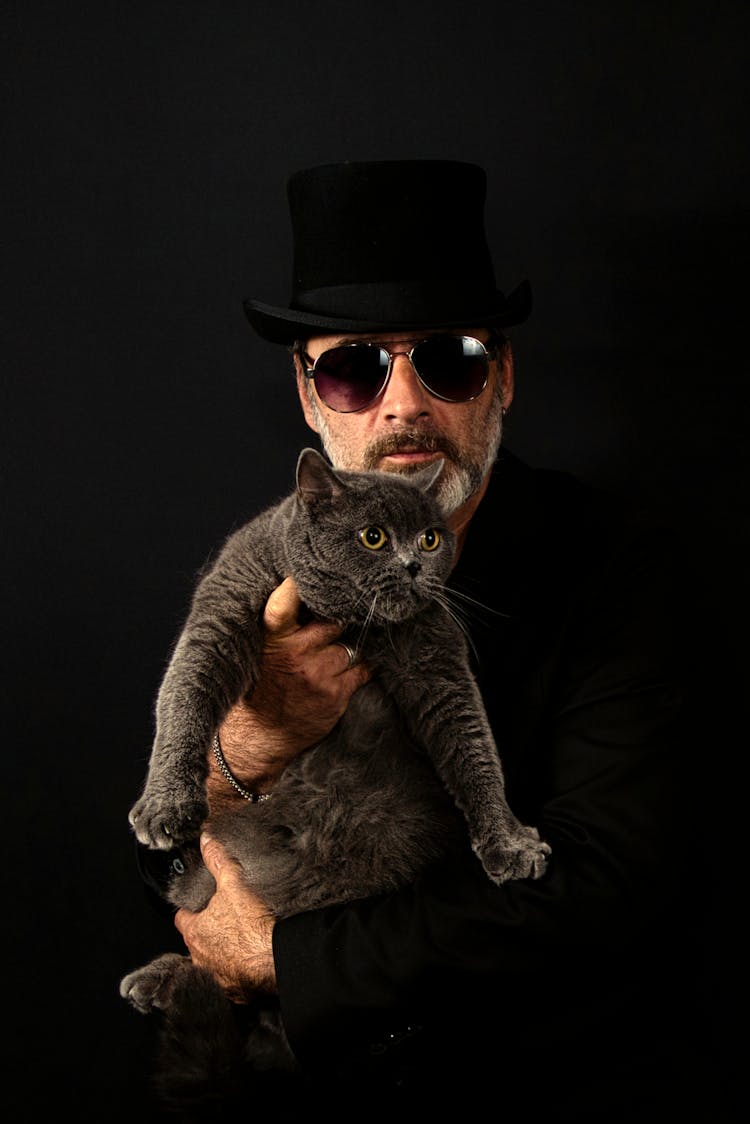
[367,621]
[440,595]
[467,599]
[462,608]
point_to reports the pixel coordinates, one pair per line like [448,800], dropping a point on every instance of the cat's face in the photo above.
[368,545]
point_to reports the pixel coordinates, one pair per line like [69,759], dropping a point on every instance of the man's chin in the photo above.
[456,485]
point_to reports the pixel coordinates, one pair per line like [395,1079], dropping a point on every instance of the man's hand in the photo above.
[232,936]
[305,687]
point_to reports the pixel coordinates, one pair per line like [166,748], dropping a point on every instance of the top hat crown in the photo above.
[392,244]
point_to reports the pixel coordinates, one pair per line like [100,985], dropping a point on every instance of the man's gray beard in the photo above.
[467,476]
[464,476]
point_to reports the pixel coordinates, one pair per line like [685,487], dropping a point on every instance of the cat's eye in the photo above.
[374,538]
[429,539]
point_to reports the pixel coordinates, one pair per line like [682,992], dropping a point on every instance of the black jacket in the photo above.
[575,997]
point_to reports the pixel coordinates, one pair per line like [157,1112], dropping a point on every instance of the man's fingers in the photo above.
[281,615]
[214,855]
[282,609]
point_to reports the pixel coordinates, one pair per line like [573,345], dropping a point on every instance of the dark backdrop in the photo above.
[145,151]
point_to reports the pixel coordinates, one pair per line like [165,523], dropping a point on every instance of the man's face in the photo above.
[406,427]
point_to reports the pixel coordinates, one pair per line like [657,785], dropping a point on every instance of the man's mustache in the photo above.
[410,441]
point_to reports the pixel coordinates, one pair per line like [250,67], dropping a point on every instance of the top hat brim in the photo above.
[287,325]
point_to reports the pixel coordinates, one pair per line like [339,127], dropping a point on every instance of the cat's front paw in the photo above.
[152,985]
[520,856]
[165,820]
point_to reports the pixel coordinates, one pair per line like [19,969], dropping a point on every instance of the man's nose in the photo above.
[405,396]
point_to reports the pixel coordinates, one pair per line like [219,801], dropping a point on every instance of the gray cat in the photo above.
[411,772]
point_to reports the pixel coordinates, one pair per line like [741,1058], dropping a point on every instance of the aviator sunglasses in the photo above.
[351,376]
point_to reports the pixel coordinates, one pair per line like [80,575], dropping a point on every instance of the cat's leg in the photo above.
[451,723]
[201,1067]
[212,1054]
[152,985]
[212,666]
[508,849]
[173,804]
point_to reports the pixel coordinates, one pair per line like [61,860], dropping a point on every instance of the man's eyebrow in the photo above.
[377,340]
[355,339]
[344,341]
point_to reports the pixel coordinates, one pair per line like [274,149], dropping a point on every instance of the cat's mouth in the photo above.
[394,607]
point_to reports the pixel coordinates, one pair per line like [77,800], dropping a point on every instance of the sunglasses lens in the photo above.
[349,378]
[454,368]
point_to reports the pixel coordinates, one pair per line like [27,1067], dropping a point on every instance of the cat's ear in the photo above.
[426,478]
[316,479]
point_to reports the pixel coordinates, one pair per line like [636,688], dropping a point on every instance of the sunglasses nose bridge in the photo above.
[416,379]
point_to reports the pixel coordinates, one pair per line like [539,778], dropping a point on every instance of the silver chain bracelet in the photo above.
[252,797]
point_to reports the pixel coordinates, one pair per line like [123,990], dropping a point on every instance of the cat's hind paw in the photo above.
[152,985]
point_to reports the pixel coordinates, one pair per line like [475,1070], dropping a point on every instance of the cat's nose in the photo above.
[413,567]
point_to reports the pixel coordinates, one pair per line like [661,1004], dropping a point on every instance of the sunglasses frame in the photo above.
[490,350]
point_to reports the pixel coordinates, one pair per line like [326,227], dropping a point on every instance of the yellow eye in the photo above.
[374,538]
[429,539]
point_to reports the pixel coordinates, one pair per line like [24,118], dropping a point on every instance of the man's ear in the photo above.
[506,374]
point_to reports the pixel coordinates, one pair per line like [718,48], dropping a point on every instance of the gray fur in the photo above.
[409,773]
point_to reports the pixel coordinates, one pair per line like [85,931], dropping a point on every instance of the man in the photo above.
[566,995]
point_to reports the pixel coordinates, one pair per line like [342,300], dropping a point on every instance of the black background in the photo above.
[145,150]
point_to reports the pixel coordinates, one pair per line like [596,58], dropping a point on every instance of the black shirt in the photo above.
[574,996]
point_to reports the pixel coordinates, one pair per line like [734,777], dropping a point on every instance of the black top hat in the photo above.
[389,245]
